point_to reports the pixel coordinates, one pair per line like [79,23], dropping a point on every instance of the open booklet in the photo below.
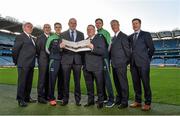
[76,46]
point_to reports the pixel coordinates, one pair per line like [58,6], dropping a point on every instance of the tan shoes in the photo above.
[146,107]
[135,105]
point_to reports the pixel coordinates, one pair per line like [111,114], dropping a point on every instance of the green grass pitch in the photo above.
[164,84]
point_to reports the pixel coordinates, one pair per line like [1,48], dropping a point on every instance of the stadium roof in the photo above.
[175,34]
[12,25]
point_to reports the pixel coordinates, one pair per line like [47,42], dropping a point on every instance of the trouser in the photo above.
[66,75]
[25,78]
[90,76]
[43,81]
[54,66]
[121,84]
[108,85]
[60,85]
[141,74]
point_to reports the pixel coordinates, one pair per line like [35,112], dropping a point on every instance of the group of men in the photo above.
[56,63]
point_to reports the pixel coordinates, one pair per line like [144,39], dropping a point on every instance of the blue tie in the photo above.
[135,38]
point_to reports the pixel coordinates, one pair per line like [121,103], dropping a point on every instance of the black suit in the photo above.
[142,51]
[120,53]
[93,68]
[71,60]
[24,53]
[43,60]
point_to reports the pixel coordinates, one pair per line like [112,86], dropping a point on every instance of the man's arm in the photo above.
[16,48]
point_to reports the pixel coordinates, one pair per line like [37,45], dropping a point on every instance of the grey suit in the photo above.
[142,51]
[24,52]
[71,60]
[120,53]
[43,60]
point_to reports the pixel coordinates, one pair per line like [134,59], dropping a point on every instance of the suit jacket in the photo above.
[94,58]
[24,51]
[40,49]
[69,57]
[142,50]
[120,50]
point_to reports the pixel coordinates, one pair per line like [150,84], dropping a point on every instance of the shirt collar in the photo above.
[27,34]
[116,34]
[46,35]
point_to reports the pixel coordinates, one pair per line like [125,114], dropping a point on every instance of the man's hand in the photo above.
[62,45]
[91,46]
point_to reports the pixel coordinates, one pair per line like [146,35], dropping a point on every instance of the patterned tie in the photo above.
[72,35]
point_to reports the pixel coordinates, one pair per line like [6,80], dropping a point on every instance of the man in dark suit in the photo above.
[71,60]
[142,51]
[120,53]
[93,66]
[24,53]
[43,64]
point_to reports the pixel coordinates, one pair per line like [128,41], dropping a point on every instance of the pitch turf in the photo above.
[164,83]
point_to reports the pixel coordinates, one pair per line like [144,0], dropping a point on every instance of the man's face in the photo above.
[47,29]
[136,25]
[58,28]
[115,26]
[28,28]
[99,24]
[90,31]
[72,24]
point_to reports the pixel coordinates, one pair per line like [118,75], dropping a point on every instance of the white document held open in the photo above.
[76,46]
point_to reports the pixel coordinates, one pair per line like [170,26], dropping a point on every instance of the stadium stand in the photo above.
[9,28]
[167,43]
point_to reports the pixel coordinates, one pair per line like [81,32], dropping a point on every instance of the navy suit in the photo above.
[93,69]
[24,53]
[142,52]
[72,60]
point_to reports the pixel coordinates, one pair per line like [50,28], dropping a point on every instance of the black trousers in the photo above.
[60,84]
[54,66]
[66,75]
[121,84]
[25,78]
[141,74]
[43,81]
[90,76]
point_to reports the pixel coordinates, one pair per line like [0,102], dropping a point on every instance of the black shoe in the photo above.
[22,103]
[30,100]
[64,103]
[122,106]
[42,101]
[89,104]
[78,104]
[117,103]
[100,105]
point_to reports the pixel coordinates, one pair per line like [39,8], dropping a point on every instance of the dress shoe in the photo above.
[22,103]
[100,105]
[64,103]
[89,104]
[146,108]
[42,101]
[122,106]
[135,105]
[30,100]
[78,104]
